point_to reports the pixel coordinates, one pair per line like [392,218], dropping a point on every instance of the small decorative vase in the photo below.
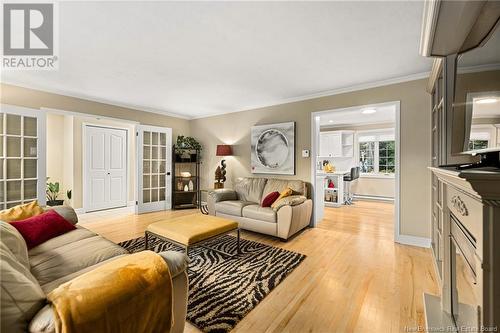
[186,188]
[191,185]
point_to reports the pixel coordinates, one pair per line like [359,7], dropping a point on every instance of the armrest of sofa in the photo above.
[293,218]
[176,261]
[222,194]
[44,320]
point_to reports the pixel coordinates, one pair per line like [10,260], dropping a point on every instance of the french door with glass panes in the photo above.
[154,168]
[22,156]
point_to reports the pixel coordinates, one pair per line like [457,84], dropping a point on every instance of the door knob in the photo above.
[109,173]
[168,173]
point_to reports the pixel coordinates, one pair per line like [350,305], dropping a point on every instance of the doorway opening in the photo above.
[355,159]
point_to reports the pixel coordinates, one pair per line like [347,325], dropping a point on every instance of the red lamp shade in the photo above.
[224,150]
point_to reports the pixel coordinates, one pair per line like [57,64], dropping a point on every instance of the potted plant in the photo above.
[186,143]
[53,192]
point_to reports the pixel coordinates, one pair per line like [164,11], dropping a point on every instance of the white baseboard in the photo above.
[372,197]
[130,207]
[79,211]
[414,240]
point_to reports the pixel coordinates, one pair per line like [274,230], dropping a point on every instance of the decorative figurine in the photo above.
[219,178]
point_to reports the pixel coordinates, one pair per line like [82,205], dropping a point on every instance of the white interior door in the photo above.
[105,168]
[154,149]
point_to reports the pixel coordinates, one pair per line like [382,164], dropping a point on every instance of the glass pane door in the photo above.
[19,159]
[154,168]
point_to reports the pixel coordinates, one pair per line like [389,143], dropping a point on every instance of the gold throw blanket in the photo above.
[130,294]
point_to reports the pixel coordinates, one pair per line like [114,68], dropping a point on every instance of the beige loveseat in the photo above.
[243,204]
[27,276]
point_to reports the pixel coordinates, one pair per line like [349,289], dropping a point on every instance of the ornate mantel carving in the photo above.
[459,205]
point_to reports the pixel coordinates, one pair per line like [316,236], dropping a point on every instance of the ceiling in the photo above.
[354,117]
[197,59]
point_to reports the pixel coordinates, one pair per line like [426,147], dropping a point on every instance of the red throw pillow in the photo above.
[40,228]
[270,199]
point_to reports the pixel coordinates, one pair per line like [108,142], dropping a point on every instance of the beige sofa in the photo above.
[27,276]
[243,204]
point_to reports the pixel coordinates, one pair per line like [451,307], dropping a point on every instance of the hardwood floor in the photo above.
[354,279]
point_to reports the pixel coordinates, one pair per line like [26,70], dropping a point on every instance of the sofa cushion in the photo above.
[231,207]
[15,243]
[250,189]
[56,263]
[21,212]
[273,184]
[48,287]
[292,200]
[285,193]
[78,234]
[223,194]
[21,296]
[40,228]
[257,212]
[270,199]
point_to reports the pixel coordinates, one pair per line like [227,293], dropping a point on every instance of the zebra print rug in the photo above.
[223,288]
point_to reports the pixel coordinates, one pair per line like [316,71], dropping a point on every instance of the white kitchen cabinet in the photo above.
[336,144]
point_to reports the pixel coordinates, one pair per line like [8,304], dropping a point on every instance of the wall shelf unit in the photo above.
[185,188]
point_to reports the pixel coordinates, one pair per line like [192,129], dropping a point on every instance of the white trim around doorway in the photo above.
[397,202]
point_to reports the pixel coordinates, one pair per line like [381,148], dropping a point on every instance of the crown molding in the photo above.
[362,86]
[429,21]
[95,99]
[437,65]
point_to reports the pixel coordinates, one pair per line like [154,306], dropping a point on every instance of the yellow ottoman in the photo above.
[191,230]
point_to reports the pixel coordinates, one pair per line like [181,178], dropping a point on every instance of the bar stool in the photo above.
[348,179]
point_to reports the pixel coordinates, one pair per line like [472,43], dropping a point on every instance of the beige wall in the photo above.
[36,99]
[68,153]
[55,148]
[375,187]
[234,128]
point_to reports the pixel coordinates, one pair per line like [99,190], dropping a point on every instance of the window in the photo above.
[386,152]
[480,136]
[366,156]
[478,144]
[377,152]
[22,177]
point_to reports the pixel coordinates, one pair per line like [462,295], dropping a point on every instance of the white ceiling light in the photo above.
[368,111]
[488,100]
[330,121]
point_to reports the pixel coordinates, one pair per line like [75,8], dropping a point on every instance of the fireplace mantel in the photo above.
[470,205]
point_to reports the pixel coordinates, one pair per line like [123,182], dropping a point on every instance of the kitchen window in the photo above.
[377,153]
